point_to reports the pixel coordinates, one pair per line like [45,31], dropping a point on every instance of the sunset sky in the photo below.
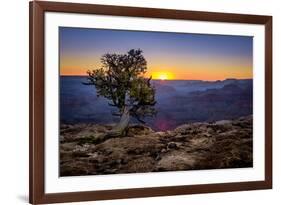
[169,55]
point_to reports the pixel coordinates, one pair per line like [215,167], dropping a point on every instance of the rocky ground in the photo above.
[222,144]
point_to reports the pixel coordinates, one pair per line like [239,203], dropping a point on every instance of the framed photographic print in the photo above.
[139,102]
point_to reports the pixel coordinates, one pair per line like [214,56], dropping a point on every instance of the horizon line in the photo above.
[171,79]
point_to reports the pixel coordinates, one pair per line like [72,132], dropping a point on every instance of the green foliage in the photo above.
[120,79]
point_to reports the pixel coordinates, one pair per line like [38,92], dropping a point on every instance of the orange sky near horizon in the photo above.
[191,71]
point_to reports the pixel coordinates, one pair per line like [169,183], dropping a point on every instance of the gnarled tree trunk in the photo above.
[122,126]
[118,130]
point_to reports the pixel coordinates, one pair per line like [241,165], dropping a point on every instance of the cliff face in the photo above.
[222,144]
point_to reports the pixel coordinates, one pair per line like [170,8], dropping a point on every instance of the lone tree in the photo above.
[120,79]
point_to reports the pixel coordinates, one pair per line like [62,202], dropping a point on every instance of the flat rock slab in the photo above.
[195,146]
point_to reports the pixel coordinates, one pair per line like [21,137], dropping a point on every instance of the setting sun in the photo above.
[162,76]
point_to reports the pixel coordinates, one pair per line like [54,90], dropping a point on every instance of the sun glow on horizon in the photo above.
[162,76]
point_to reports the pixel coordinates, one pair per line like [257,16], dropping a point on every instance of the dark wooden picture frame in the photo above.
[37,193]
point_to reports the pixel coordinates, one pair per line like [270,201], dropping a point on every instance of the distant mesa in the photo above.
[160,87]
